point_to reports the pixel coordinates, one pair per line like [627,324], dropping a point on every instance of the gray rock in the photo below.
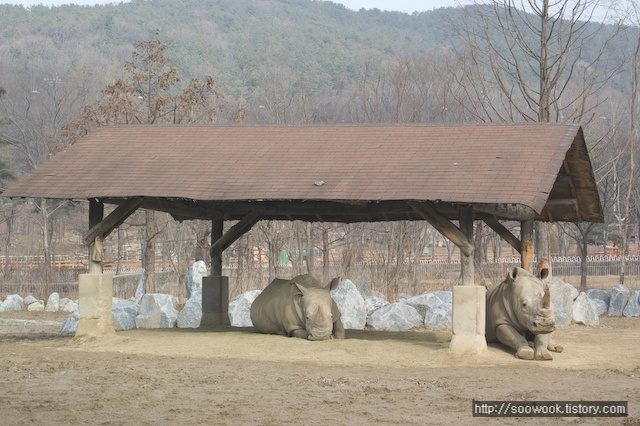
[601,295]
[191,315]
[439,316]
[395,317]
[71,324]
[68,305]
[193,280]
[364,288]
[240,309]
[584,312]
[445,296]
[619,297]
[574,291]
[53,304]
[351,305]
[423,302]
[157,311]
[124,313]
[403,296]
[372,304]
[36,307]
[562,301]
[633,305]
[599,306]
[374,293]
[13,302]
[29,300]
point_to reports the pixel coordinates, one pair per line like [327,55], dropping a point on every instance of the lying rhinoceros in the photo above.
[519,310]
[299,307]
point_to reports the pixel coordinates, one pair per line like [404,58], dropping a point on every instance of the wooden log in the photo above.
[502,231]
[466,259]
[526,237]
[430,213]
[96,212]
[223,241]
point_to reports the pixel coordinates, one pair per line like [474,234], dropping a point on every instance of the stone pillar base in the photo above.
[215,301]
[94,304]
[469,310]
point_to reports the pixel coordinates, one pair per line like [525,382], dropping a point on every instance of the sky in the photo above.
[408,6]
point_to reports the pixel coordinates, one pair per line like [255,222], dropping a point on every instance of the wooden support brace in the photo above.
[103,228]
[236,231]
[502,231]
[429,212]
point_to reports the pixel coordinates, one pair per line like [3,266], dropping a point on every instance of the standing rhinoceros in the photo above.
[519,310]
[299,307]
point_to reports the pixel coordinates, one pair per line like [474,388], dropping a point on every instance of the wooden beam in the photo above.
[507,211]
[428,211]
[502,231]
[103,228]
[236,231]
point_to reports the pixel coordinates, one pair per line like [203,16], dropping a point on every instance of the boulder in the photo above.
[562,301]
[124,313]
[439,316]
[633,305]
[193,280]
[395,317]
[68,305]
[191,314]
[36,307]
[423,302]
[353,312]
[364,288]
[157,311]
[599,306]
[372,303]
[403,296]
[600,295]
[29,300]
[13,302]
[53,304]
[71,324]
[240,307]
[377,294]
[619,297]
[584,312]
[445,296]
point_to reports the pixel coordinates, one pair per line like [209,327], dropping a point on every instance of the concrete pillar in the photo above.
[94,305]
[469,310]
[215,301]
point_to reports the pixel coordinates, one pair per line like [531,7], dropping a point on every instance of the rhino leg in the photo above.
[509,336]
[541,343]
[553,346]
[299,332]
[338,330]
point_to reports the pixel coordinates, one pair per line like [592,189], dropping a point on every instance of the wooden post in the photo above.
[466,259]
[526,238]
[96,212]
[216,258]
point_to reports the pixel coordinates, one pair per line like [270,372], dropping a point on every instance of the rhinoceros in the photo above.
[299,307]
[519,311]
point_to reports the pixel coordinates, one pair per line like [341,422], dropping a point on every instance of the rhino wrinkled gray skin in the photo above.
[299,307]
[520,316]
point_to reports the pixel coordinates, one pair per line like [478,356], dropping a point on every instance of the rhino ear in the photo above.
[334,283]
[513,273]
[545,275]
[303,290]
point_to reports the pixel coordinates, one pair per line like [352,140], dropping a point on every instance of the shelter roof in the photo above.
[332,173]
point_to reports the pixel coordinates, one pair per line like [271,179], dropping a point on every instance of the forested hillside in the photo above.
[224,38]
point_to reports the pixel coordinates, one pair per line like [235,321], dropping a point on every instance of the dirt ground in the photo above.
[238,377]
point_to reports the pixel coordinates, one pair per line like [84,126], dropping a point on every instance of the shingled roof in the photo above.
[336,173]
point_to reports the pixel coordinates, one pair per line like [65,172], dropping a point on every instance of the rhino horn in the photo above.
[546,299]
